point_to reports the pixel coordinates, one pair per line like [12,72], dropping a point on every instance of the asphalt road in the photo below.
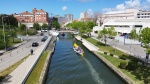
[13,56]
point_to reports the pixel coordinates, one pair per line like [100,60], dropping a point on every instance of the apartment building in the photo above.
[29,18]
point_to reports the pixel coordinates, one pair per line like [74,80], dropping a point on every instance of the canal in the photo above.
[67,67]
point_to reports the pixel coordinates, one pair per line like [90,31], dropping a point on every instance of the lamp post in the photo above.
[26,29]
[4,32]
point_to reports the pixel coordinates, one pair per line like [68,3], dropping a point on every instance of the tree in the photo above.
[82,28]
[103,34]
[99,18]
[145,38]
[9,20]
[133,34]
[36,26]
[13,34]
[111,32]
[44,25]
[55,24]
[89,27]
[22,27]
[69,25]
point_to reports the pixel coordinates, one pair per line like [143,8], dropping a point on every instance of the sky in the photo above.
[75,7]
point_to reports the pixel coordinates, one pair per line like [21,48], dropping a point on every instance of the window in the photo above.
[138,26]
[138,14]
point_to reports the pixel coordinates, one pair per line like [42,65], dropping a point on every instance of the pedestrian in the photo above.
[31,51]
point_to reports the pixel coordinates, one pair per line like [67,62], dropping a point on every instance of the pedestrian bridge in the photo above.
[65,31]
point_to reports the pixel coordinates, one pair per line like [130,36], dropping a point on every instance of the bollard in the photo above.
[17,51]
[1,59]
[10,54]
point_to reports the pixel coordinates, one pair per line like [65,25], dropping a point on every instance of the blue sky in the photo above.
[61,7]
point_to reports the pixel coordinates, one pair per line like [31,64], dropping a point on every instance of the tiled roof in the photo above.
[26,13]
[41,10]
[86,18]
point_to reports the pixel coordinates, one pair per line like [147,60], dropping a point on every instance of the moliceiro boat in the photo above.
[78,49]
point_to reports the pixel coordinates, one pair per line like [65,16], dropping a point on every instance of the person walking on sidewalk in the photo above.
[31,51]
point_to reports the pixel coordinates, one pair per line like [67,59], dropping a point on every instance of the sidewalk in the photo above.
[20,74]
[133,49]
[13,47]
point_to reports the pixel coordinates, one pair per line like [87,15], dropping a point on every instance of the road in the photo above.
[13,56]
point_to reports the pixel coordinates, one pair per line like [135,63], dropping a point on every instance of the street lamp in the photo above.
[4,31]
[26,29]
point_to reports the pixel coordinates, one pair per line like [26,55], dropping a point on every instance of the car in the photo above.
[41,34]
[35,44]
[44,38]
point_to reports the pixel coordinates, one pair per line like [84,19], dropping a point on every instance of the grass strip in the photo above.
[107,48]
[36,72]
[140,76]
[11,68]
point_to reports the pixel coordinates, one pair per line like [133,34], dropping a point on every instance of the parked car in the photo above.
[35,44]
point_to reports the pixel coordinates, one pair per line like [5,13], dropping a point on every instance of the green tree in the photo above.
[133,34]
[145,38]
[82,28]
[9,20]
[22,27]
[55,24]
[13,34]
[103,34]
[36,26]
[44,25]
[75,25]
[89,27]
[111,32]
[69,25]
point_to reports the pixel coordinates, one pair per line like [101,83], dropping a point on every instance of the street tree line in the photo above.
[143,36]
[82,27]
[9,21]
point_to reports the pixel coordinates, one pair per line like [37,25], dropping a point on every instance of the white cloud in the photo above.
[120,7]
[138,4]
[133,4]
[64,8]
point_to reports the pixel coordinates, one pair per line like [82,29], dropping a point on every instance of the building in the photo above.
[125,21]
[69,17]
[29,18]
[86,16]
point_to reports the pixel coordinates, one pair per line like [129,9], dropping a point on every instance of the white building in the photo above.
[125,21]
[82,15]
[69,17]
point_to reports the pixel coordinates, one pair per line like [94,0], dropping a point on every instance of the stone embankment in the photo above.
[51,48]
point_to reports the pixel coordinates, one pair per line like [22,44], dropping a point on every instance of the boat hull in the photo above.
[80,53]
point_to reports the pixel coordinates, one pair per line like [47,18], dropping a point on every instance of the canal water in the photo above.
[67,67]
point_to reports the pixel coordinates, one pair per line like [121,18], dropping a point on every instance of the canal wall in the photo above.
[111,66]
[50,47]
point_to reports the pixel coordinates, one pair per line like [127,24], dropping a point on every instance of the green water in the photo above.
[67,67]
